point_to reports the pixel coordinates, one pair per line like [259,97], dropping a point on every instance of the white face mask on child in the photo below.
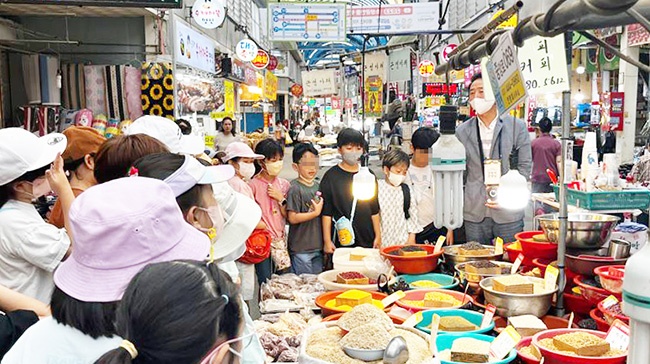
[247,170]
[396,179]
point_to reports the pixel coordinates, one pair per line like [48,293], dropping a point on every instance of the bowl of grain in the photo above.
[577,346]
[516,304]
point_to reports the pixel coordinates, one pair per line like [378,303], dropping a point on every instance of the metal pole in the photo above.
[563,215]
[573,12]
[363,87]
[489,27]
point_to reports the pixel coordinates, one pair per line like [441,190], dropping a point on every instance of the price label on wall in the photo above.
[543,64]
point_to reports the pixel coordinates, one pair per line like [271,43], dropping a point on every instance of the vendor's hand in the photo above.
[450,237]
[275,193]
[329,248]
[317,207]
[411,240]
[493,205]
[56,176]
[376,244]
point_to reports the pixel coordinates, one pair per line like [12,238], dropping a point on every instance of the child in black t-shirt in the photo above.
[304,207]
[336,187]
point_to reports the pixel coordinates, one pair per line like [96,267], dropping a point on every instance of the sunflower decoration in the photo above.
[156,92]
[145,82]
[156,71]
[156,110]
[145,102]
[168,82]
[168,102]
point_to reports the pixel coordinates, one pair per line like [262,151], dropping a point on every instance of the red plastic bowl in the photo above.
[598,316]
[557,357]
[513,253]
[418,295]
[610,316]
[536,249]
[413,265]
[327,311]
[593,294]
[336,317]
[551,322]
[611,277]
[577,304]
[527,359]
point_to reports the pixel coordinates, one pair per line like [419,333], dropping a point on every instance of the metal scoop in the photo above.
[396,352]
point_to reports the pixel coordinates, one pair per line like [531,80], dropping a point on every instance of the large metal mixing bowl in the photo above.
[584,230]
[584,262]
[453,258]
[510,304]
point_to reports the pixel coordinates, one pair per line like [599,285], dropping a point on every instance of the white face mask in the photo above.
[247,170]
[481,105]
[396,179]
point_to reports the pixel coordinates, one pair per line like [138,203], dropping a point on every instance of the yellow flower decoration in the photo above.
[156,71]
[168,102]
[156,110]
[145,102]
[156,92]
[145,83]
[168,82]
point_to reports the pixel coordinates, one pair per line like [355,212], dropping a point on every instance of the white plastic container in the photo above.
[342,262]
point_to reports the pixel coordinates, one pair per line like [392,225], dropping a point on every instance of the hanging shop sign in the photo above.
[470,72]
[253,92]
[121,3]
[454,76]
[544,65]
[296,90]
[306,22]
[227,109]
[238,70]
[637,35]
[273,63]
[270,86]
[246,50]
[426,68]
[508,24]
[393,19]
[399,65]
[374,64]
[447,51]
[261,60]
[348,104]
[373,104]
[193,48]
[209,14]
[612,109]
[336,103]
[250,77]
[319,82]
[505,75]
[607,59]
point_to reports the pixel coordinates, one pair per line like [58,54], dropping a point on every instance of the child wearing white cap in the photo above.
[30,248]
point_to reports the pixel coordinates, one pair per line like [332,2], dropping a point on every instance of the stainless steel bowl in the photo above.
[509,304]
[584,231]
[584,262]
[452,258]
[476,278]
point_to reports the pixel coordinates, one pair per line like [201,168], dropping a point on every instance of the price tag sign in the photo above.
[505,75]
[571,317]
[504,343]
[609,301]
[543,65]
[550,277]
[393,298]
[435,323]
[618,335]
[498,246]
[488,316]
[517,263]
[413,320]
[439,243]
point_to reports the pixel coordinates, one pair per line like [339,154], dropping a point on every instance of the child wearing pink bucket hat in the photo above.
[118,227]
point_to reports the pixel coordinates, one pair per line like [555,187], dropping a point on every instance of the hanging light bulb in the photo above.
[513,193]
[363,184]
[580,69]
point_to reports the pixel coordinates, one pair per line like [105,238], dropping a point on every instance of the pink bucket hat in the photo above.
[118,228]
[241,150]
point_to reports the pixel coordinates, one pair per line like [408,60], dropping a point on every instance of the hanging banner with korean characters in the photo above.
[270,86]
[319,82]
[193,48]
[399,65]
[375,64]
[393,19]
[505,75]
[303,22]
[373,92]
[544,66]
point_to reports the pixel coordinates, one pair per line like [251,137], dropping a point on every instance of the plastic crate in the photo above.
[607,200]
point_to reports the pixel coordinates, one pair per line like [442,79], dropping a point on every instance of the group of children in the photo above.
[317,213]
